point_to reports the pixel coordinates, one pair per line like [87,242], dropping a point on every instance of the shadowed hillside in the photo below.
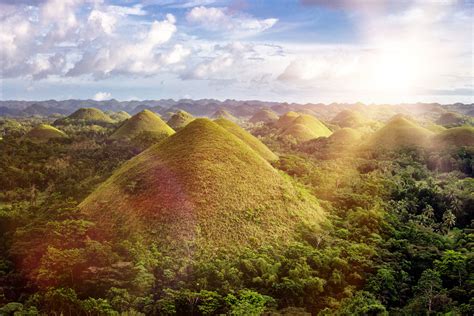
[179,120]
[221,113]
[264,116]
[303,128]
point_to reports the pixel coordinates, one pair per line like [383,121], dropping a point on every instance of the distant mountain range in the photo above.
[206,107]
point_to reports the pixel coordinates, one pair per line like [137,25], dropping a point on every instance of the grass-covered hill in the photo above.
[221,113]
[304,127]
[345,135]
[85,116]
[143,122]
[247,138]
[349,118]
[201,190]
[44,132]
[399,132]
[450,119]
[455,137]
[119,116]
[180,119]
[285,120]
[264,116]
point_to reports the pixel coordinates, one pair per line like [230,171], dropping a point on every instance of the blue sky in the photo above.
[297,51]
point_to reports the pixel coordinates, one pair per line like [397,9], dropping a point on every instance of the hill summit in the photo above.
[202,189]
[247,138]
[399,132]
[348,118]
[264,116]
[224,114]
[304,127]
[180,119]
[85,116]
[44,132]
[143,122]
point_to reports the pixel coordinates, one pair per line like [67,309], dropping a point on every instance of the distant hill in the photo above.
[264,116]
[397,133]
[451,119]
[86,116]
[303,127]
[44,132]
[456,137]
[204,190]
[119,116]
[224,114]
[349,118]
[144,121]
[247,138]
[179,120]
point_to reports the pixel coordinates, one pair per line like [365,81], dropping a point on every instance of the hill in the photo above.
[264,116]
[345,135]
[285,120]
[247,138]
[456,137]
[304,127]
[180,119]
[224,114]
[144,121]
[85,116]
[349,118]
[44,132]
[397,133]
[119,116]
[201,190]
[450,119]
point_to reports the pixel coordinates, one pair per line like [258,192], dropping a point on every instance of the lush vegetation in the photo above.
[397,238]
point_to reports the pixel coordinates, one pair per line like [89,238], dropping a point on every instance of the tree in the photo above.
[429,285]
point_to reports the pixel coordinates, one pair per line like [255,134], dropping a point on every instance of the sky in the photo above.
[372,51]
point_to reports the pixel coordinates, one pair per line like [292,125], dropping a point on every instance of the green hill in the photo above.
[144,121]
[264,116]
[44,132]
[224,114]
[285,120]
[349,118]
[85,116]
[247,138]
[344,136]
[397,133]
[305,127]
[456,137]
[201,190]
[180,119]
[120,116]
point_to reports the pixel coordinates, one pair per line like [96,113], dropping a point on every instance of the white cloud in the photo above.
[101,96]
[220,19]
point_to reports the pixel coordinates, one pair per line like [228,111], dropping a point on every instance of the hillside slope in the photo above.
[144,121]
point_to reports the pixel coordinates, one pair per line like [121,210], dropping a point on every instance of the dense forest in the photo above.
[397,235]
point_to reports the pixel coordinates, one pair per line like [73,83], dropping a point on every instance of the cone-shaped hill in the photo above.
[285,120]
[345,135]
[224,114]
[247,138]
[201,189]
[144,121]
[180,119]
[455,137]
[264,116]
[44,132]
[85,116]
[397,133]
[450,119]
[305,127]
[349,118]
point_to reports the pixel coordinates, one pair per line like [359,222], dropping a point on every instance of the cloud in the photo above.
[220,19]
[101,96]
